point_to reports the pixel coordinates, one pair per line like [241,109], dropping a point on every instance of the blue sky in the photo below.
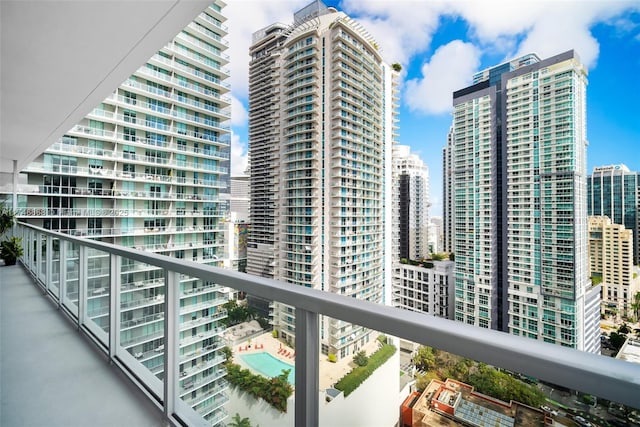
[442,43]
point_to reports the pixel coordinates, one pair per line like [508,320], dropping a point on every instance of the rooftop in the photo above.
[452,402]
[630,351]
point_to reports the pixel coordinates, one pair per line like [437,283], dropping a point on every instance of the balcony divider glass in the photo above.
[96,283]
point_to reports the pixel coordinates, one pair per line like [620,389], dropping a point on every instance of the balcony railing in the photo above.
[604,377]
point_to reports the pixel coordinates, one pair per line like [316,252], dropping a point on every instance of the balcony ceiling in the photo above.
[59,59]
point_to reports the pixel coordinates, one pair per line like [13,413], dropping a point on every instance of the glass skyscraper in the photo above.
[614,191]
[520,233]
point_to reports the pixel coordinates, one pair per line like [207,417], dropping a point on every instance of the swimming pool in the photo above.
[268,365]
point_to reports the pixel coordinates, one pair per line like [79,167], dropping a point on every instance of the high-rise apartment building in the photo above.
[611,262]
[447,195]
[319,131]
[411,184]
[614,191]
[519,180]
[146,169]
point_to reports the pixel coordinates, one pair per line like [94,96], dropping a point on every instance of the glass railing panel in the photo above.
[202,369]
[141,321]
[437,386]
[97,291]
[54,284]
[41,257]
[218,337]
[71,274]
[232,365]
[567,406]
[23,233]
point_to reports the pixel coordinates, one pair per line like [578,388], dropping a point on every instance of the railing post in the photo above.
[39,262]
[114,306]
[171,340]
[62,271]
[307,368]
[48,262]
[82,285]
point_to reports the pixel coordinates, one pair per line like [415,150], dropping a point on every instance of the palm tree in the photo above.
[635,306]
[239,422]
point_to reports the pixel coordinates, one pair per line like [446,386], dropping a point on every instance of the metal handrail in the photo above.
[604,377]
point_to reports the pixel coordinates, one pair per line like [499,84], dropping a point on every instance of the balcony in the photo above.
[601,376]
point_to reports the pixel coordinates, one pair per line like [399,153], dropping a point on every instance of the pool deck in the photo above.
[330,373]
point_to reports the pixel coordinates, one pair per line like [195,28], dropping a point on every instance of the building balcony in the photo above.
[169,385]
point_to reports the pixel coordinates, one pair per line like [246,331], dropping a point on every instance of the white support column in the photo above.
[307,369]
[14,189]
[171,340]
[114,305]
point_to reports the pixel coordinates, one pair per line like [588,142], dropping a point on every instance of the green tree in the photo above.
[423,380]
[617,340]
[635,306]
[424,359]
[439,257]
[239,422]
[7,218]
[361,358]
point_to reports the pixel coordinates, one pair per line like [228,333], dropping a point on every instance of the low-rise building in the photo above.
[453,403]
[611,262]
[425,287]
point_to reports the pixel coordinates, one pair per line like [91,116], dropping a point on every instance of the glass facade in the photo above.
[614,191]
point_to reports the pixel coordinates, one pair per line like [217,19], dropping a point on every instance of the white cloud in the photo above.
[238,112]
[544,28]
[451,67]
[239,156]
[404,29]
[245,17]
[401,28]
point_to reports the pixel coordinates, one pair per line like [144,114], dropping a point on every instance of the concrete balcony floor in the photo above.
[51,374]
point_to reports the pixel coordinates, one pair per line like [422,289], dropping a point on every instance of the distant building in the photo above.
[519,195]
[436,243]
[453,403]
[614,191]
[611,262]
[321,110]
[411,184]
[425,288]
[239,201]
[448,205]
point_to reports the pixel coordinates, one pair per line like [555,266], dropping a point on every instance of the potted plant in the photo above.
[11,250]
[10,247]
[7,219]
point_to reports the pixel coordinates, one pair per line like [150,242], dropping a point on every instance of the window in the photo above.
[130,97]
[95,164]
[95,186]
[129,134]
[128,152]
[94,226]
[129,116]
